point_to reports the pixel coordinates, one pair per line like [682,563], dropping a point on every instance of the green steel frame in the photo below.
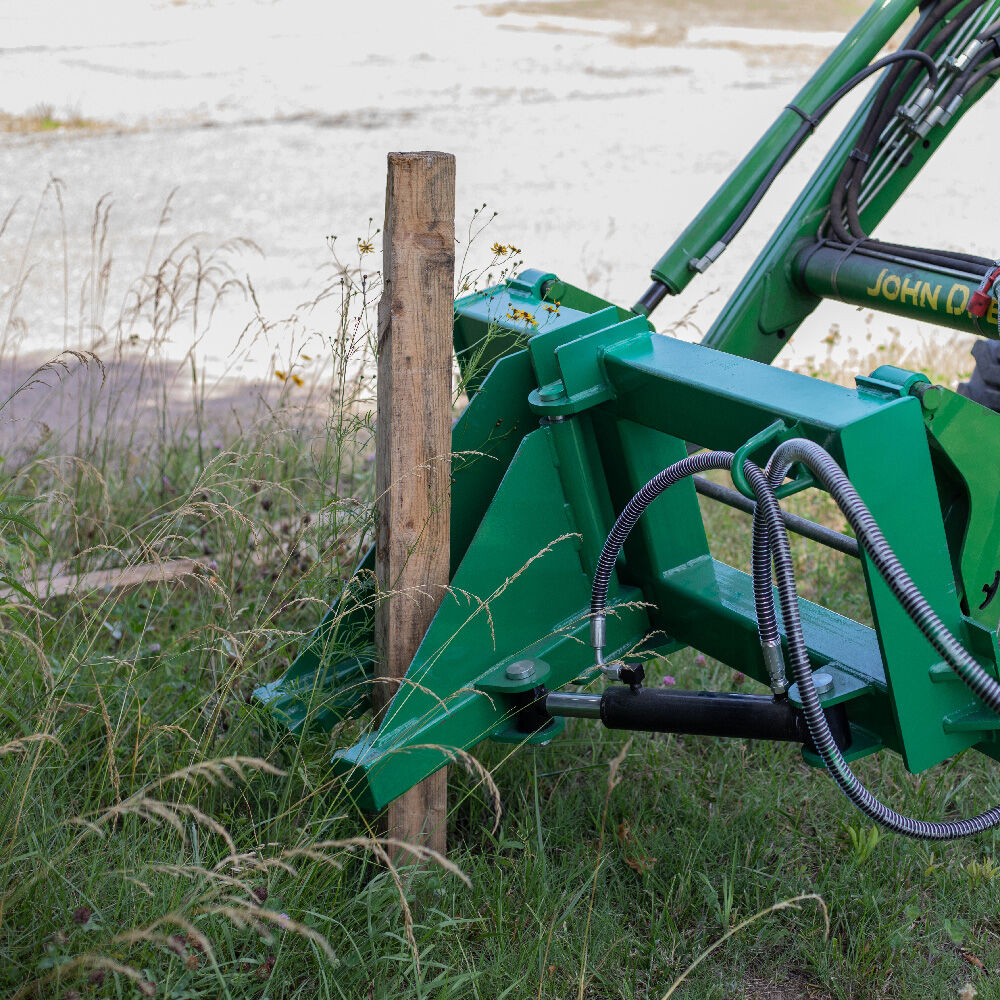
[575,403]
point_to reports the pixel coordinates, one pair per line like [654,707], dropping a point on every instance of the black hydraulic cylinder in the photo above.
[714,713]
[651,298]
[529,710]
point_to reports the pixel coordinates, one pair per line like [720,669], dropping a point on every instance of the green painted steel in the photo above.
[521,592]
[328,681]
[501,320]
[617,404]
[964,440]
[768,305]
[611,403]
[859,47]
[924,293]
[575,403]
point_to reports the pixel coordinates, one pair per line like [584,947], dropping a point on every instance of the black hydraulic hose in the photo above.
[945,258]
[767,627]
[991,67]
[804,130]
[967,79]
[658,291]
[860,159]
[776,548]
[871,129]
[869,535]
[760,572]
[989,31]
[702,461]
[961,265]
[883,111]
[881,114]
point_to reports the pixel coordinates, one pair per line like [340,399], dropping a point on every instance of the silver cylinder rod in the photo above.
[574,706]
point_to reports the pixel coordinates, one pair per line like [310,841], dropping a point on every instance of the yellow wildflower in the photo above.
[523,315]
[365,246]
[280,376]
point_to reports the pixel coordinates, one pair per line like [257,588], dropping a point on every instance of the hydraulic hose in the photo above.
[971,265]
[810,124]
[919,610]
[870,537]
[988,32]
[971,74]
[983,71]
[627,520]
[882,110]
[844,200]
[905,66]
[771,547]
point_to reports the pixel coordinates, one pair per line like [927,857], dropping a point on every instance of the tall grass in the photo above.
[158,837]
[152,837]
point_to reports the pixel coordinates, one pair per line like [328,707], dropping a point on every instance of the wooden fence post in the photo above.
[413,443]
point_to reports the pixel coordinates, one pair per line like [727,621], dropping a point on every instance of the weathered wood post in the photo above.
[413,442]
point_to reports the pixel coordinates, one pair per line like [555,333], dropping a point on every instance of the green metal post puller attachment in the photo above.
[578,545]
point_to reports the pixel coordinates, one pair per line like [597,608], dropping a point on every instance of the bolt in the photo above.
[551,392]
[822,681]
[520,670]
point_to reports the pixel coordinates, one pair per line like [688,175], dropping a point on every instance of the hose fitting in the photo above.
[598,636]
[774,660]
[702,264]
[918,105]
[964,58]
[949,112]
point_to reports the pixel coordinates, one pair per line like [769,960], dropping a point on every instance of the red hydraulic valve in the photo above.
[979,303]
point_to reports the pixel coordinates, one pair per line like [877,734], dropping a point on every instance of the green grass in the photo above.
[158,837]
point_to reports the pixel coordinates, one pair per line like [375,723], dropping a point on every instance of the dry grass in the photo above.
[157,837]
[141,844]
[46,119]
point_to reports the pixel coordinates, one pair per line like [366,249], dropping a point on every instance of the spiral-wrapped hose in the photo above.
[905,590]
[771,545]
[627,520]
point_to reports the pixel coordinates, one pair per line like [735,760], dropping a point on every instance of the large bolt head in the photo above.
[822,681]
[520,670]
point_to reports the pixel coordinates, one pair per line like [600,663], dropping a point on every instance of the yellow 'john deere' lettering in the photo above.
[876,290]
[921,294]
[928,297]
[957,290]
